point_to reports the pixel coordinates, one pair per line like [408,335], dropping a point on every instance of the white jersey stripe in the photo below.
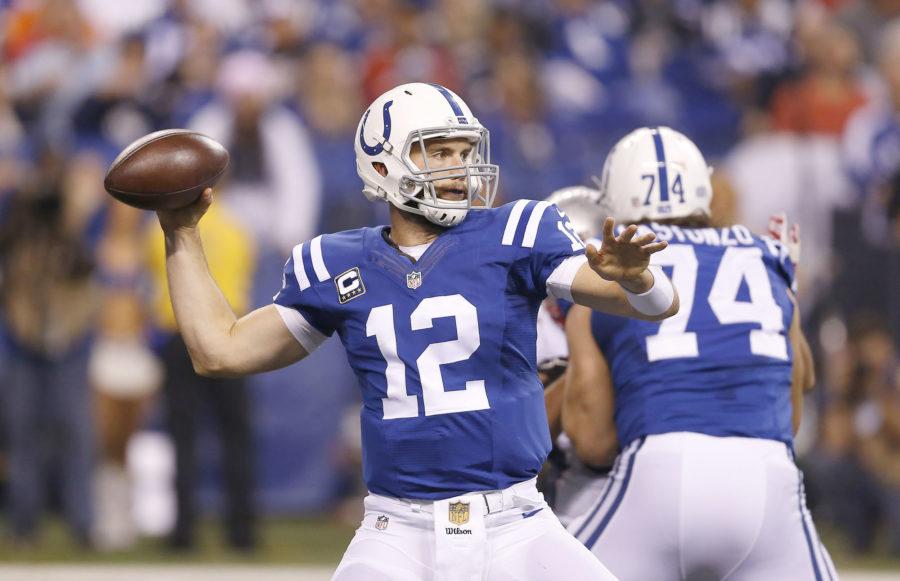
[513,222]
[315,250]
[299,269]
[534,221]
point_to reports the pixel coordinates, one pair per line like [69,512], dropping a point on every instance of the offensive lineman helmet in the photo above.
[406,117]
[654,174]
[584,208]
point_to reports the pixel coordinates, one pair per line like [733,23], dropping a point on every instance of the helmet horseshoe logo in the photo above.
[378,147]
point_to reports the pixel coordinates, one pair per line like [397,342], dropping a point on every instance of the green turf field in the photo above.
[299,541]
[283,541]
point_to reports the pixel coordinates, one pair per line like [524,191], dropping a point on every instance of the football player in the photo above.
[569,486]
[705,485]
[437,315]
[584,214]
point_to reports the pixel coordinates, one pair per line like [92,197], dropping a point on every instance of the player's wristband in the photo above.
[658,299]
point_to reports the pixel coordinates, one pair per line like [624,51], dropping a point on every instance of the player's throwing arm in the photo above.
[172,172]
[220,344]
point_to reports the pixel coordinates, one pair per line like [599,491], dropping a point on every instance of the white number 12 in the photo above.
[737,264]
[436,400]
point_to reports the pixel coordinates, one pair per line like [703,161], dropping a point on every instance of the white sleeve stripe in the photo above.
[305,334]
[559,283]
[315,250]
[513,222]
[299,269]
[534,221]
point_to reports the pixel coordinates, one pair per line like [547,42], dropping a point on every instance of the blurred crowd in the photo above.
[796,104]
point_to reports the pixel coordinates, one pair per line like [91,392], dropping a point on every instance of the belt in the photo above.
[494,500]
[497,500]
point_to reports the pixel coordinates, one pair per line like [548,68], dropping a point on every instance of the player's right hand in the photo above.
[188,217]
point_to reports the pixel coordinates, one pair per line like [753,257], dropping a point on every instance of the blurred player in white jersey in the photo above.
[704,405]
[437,314]
[568,484]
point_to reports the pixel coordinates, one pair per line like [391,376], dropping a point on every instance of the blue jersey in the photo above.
[443,347]
[722,365]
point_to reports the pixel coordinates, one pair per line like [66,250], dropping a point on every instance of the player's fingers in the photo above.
[644,239]
[608,226]
[627,234]
[776,225]
[655,247]
[591,252]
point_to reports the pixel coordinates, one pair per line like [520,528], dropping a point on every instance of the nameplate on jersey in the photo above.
[349,285]
[414,280]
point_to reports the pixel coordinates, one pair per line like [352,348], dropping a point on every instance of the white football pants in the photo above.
[686,506]
[507,535]
[577,490]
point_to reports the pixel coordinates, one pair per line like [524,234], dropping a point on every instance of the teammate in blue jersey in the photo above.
[705,485]
[437,314]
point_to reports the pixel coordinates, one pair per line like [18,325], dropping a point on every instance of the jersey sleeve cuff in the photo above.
[305,334]
[559,283]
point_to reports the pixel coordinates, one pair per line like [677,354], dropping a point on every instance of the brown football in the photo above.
[166,170]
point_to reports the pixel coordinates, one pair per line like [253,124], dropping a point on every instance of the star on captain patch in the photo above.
[459,512]
[414,279]
[381,522]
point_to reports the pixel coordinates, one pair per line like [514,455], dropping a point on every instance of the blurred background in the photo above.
[112,450]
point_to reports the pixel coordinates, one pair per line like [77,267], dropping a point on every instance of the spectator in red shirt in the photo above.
[403,53]
[823,98]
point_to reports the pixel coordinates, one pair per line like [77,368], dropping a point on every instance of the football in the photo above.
[166,170]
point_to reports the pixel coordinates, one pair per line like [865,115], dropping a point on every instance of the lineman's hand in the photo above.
[787,234]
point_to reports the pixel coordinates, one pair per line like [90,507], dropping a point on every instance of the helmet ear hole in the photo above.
[380,168]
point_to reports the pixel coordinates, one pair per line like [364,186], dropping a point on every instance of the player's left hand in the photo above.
[787,234]
[624,258]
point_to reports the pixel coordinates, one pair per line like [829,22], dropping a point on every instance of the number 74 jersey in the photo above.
[443,347]
[722,365]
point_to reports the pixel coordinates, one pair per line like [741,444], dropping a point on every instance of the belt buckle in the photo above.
[493,501]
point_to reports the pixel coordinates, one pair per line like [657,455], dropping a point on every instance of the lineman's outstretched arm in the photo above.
[589,400]
[219,343]
[620,265]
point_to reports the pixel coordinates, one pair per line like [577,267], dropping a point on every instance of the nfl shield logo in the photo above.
[414,280]
[381,523]
[459,513]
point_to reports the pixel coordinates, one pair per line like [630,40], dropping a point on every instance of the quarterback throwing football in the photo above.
[437,315]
